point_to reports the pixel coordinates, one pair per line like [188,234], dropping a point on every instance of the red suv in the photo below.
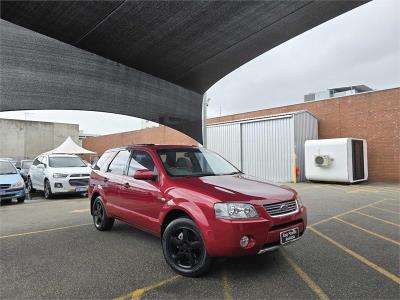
[198,203]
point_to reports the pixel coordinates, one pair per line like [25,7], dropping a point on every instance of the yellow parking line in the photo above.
[80,210]
[44,230]
[358,257]
[386,210]
[392,206]
[378,219]
[395,200]
[137,294]
[307,279]
[226,286]
[345,213]
[369,231]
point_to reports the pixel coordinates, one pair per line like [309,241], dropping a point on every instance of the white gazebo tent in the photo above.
[69,147]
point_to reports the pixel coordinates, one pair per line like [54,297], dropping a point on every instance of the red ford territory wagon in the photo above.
[198,203]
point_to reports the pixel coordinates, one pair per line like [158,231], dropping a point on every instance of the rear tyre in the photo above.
[47,190]
[29,186]
[21,199]
[184,248]
[100,219]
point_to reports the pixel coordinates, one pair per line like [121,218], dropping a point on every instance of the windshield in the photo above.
[7,168]
[194,163]
[26,164]
[66,162]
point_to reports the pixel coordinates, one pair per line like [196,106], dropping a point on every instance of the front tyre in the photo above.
[48,194]
[100,219]
[29,186]
[184,248]
[21,199]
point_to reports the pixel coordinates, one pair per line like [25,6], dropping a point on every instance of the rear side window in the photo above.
[103,159]
[119,163]
[140,160]
[36,162]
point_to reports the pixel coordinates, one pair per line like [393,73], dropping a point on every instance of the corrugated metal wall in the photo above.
[225,140]
[265,147]
[305,128]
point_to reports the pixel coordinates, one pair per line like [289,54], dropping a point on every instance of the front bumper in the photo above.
[69,185]
[12,193]
[223,239]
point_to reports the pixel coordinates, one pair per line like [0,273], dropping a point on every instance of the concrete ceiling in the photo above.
[192,44]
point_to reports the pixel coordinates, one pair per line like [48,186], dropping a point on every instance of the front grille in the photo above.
[79,182]
[79,175]
[4,186]
[281,208]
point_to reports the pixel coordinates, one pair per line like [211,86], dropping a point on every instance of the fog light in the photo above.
[58,185]
[244,241]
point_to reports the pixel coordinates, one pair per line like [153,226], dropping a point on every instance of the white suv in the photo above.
[58,173]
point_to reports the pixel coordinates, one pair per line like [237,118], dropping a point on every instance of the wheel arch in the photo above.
[94,196]
[173,214]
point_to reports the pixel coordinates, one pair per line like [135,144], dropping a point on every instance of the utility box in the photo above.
[336,160]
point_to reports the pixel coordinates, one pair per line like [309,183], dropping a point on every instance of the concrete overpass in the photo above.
[146,59]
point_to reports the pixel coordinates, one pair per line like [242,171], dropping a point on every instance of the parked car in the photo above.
[12,160]
[24,168]
[198,203]
[11,183]
[58,173]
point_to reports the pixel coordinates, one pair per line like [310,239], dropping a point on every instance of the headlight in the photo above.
[299,202]
[59,175]
[235,211]
[18,184]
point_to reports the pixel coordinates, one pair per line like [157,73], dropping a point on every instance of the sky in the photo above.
[361,46]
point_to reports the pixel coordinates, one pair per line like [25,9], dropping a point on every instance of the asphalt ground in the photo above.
[49,249]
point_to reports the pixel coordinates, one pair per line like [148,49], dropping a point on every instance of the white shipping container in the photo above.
[336,160]
[268,147]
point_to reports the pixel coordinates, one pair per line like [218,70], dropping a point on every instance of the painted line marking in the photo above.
[386,210]
[80,210]
[226,286]
[392,206]
[137,294]
[358,257]
[346,212]
[369,231]
[44,230]
[378,219]
[307,279]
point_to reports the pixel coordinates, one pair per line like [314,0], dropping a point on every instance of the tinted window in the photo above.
[36,161]
[103,159]
[66,162]
[118,165]
[7,168]
[140,160]
[194,162]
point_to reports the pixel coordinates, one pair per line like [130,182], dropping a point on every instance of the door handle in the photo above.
[127,185]
[105,179]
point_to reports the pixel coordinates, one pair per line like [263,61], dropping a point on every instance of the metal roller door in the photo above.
[267,148]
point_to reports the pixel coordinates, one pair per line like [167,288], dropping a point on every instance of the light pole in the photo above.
[205,105]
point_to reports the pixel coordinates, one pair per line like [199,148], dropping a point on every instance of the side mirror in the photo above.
[144,174]
[19,168]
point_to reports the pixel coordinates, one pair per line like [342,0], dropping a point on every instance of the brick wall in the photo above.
[374,116]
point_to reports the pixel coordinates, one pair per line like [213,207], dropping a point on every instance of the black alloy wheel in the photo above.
[184,248]
[100,219]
